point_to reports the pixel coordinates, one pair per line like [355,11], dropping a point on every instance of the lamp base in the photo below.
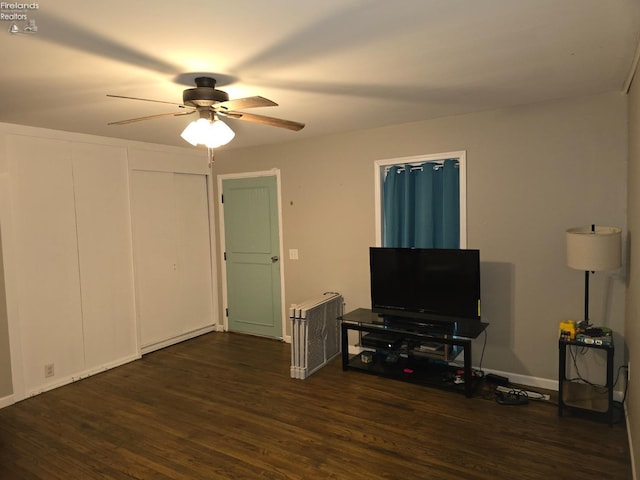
[583,326]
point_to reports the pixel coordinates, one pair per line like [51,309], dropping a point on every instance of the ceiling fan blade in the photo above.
[242,103]
[148,100]
[274,122]
[151,117]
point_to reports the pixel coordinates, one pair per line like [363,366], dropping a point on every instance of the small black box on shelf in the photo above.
[388,341]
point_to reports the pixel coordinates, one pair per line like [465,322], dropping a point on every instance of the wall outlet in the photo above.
[49,370]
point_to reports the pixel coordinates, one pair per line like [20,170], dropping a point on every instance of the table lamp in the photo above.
[592,249]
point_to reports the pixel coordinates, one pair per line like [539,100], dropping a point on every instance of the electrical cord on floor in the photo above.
[517,395]
[512,397]
[532,395]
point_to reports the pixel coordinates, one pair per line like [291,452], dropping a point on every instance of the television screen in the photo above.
[425,283]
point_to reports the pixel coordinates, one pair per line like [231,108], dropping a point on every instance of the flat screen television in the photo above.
[425,284]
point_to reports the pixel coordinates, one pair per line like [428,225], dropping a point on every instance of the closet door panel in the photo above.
[100,175]
[154,244]
[193,248]
[172,255]
[48,283]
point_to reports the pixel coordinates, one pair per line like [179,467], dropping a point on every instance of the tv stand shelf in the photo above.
[399,355]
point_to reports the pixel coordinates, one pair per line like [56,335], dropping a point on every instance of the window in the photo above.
[421,201]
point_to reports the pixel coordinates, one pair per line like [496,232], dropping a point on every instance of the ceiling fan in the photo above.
[210,102]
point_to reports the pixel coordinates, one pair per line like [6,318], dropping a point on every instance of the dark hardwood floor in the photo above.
[223,406]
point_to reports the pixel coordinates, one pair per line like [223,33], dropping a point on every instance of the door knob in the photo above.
[274,259]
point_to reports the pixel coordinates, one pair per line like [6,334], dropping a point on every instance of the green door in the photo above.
[252,249]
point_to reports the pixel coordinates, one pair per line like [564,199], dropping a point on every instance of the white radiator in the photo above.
[315,333]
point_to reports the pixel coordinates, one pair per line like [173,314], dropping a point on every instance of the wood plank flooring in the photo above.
[223,406]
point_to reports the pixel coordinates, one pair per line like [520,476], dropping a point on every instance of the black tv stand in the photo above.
[412,351]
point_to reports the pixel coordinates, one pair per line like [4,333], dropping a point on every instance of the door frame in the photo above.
[275,172]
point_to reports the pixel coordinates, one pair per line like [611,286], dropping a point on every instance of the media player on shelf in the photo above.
[587,340]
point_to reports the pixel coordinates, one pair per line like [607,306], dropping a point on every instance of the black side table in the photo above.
[583,396]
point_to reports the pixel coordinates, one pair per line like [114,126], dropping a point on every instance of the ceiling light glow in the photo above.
[211,133]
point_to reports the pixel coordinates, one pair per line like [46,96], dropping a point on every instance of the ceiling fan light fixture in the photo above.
[219,133]
[211,133]
[195,131]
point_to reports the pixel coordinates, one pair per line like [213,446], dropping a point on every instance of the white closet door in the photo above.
[193,248]
[154,254]
[172,265]
[100,175]
[48,283]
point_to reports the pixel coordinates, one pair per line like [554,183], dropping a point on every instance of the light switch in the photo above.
[293,254]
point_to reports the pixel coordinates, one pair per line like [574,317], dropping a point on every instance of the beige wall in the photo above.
[533,171]
[633,299]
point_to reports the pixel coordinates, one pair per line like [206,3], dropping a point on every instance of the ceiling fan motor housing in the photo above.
[205,93]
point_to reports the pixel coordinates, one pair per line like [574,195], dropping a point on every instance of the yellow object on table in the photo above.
[568,330]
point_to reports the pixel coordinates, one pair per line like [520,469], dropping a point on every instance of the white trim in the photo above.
[215,299]
[222,248]
[7,401]
[283,309]
[79,376]
[380,165]
[630,440]
[167,162]
[134,279]
[175,340]
[274,172]
[538,382]
[526,380]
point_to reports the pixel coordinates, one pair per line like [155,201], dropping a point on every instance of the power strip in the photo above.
[530,395]
[512,398]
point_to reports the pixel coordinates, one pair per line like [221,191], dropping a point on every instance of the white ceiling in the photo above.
[336,65]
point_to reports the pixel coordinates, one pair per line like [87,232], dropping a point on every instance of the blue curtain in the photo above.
[421,206]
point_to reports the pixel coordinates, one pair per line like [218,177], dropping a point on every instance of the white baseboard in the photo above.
[78,376]
[6,401]
[526,380]
[630,440]
[60,382]
[545,383]
[180,338]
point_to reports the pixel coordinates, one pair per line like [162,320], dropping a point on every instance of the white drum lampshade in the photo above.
[594,248]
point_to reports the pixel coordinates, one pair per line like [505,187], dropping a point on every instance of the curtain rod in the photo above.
[418,166]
